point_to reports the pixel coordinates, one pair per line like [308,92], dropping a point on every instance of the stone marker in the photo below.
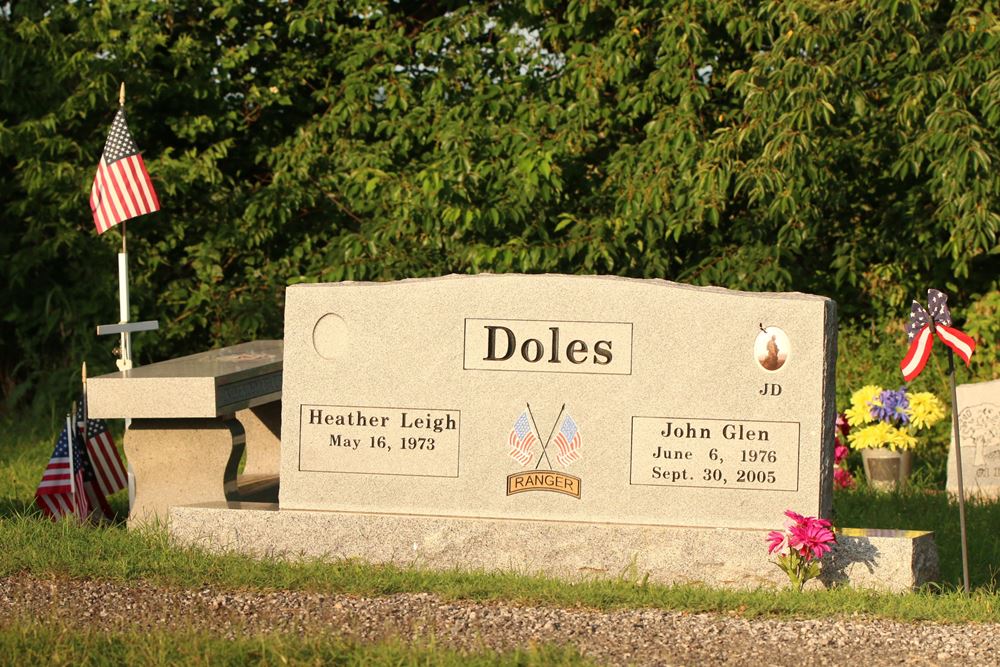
[979,423]
[885,560]
[578,426]
[594,399]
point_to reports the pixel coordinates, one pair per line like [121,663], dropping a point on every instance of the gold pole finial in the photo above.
[121,95]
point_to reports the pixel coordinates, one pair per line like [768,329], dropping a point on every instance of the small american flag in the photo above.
[107,466]
[122,189]
[97,502]
[55,495]
[521,440]
[568,441]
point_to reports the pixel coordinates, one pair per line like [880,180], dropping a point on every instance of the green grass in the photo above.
[32,544]
[45,549]
[57,642]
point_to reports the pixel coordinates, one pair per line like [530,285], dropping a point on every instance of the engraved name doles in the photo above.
[736,454]
[548,346]
[379,440]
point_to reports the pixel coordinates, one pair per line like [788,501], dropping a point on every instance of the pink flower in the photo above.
[842,424]
[812,538]
[778,540]
[840,453]
[804,539]
[843,478]
[795,517]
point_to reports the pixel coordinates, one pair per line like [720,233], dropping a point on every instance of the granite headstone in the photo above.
[587,399]
[979,428]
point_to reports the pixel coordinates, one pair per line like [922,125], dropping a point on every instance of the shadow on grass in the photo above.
[11,508]
[15,507]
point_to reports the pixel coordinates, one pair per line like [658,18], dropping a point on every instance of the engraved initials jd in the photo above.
[770,389]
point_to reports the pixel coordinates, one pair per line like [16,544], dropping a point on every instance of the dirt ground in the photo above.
[624,637]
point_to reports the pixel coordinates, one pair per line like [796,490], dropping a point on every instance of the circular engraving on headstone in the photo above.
[330,336]
[771,349]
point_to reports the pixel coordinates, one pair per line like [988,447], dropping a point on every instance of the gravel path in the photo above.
[625,637]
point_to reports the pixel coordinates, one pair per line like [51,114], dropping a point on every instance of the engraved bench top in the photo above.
[206,384]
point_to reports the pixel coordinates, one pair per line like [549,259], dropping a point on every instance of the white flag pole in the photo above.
[83,376]
[125,362]
[70,437]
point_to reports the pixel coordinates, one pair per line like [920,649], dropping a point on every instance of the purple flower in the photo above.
[890,407]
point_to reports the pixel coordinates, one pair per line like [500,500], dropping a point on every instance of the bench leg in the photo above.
[181,462]
[263,432]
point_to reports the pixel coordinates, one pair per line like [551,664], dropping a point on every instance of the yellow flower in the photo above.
[925,410]
[875,435]
[902,439]
[860,412]
[881,434]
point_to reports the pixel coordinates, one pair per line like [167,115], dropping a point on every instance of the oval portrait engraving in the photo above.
[771,348]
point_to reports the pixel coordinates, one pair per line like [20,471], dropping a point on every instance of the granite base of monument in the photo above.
[884,560]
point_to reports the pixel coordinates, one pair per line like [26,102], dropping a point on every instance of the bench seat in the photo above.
[191,420]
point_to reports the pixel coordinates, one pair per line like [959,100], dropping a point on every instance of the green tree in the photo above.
[847,149]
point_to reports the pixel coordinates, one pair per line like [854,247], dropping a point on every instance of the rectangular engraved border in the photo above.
[458,450]
[465,329]
[798,454]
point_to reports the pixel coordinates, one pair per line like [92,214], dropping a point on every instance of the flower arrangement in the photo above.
[800,546]
[842,477]
[890,417]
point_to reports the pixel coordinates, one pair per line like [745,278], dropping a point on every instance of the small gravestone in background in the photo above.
[979,420]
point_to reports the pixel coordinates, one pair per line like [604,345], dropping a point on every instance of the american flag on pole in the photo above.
[122,189]
[568,441]
[60,492]
[521,439]
[103,459]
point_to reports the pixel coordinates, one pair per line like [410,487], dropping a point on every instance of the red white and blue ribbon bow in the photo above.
[921,329]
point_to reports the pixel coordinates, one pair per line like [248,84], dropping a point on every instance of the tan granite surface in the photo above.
[181,461]
[688,412]
[262,426]
[731,558]
[206,384]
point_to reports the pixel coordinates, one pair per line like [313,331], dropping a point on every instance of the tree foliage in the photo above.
[848,149]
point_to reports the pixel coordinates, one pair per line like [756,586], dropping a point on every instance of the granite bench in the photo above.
[192,419]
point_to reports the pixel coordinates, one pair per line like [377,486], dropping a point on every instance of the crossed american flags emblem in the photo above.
[523,438]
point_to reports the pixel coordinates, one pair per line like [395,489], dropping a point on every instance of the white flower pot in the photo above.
[886,469]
